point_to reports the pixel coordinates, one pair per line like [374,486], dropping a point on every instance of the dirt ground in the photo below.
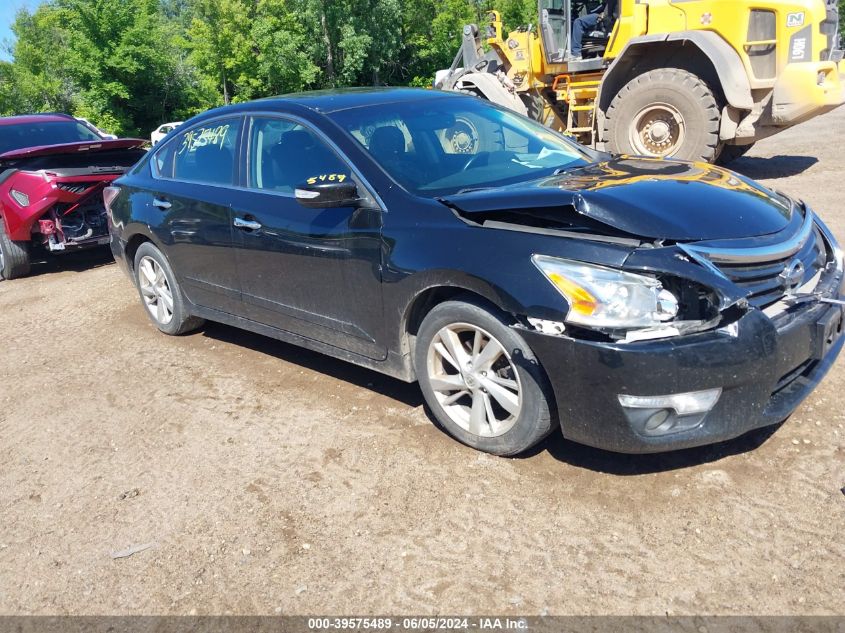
[269,479]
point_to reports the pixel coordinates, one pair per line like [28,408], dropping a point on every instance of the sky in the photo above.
[8,9]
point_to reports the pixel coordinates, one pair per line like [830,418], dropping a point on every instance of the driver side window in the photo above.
[284,154]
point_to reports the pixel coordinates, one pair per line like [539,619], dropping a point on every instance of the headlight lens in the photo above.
[603,297]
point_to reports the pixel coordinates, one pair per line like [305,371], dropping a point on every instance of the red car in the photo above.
[53,169]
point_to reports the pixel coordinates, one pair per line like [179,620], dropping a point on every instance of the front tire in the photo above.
[14,256]
[666,112]
[534,105]
[480,379]
[160,293]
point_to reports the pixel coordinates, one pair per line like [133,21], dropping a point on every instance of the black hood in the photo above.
[647,198]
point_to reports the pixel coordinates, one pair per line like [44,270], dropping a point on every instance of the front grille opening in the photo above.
[762,281]
[761,45]
[74,187]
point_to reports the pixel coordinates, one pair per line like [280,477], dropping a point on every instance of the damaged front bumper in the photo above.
[764,367]
[624,395]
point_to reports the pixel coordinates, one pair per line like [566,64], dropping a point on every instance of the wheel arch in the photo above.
[432,294]
[702,53]
[139,235]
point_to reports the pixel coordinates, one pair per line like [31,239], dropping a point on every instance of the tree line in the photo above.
[130,65]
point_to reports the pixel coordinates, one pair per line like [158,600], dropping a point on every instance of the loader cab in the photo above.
[555,28]
[556,19]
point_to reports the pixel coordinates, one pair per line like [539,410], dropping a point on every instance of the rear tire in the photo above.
[14,256]
[499,401]
[664,112]
[160,293]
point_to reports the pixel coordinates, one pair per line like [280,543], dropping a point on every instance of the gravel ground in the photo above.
[267,479]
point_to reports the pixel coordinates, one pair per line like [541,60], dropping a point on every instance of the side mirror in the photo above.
[327,194]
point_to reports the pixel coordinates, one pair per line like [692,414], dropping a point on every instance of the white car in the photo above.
[163,130]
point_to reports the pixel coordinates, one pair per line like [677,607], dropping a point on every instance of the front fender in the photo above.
[417,285]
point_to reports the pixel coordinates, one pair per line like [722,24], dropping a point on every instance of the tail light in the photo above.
[109,194]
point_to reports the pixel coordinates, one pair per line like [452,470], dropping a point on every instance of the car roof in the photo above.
[343,99]
[35,118]
[328,101]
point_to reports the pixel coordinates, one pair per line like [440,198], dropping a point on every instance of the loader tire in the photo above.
[731,152]
[666,112]
[14,256]
[534,105]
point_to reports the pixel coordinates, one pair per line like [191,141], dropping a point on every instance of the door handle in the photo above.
[249,225]
[164,205]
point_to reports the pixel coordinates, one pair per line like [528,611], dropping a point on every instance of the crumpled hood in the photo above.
[648,198]
[73,148]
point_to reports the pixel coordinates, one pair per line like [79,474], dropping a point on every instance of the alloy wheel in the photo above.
[474,380]
[156,292]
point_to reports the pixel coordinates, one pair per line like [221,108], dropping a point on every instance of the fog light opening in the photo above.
[673,413]
[660,421]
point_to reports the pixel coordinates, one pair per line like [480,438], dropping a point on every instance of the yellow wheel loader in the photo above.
[691,79]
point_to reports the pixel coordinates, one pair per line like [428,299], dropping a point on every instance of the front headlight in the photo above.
[601,297]
[20,197]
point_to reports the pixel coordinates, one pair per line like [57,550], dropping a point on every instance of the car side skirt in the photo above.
[395,365]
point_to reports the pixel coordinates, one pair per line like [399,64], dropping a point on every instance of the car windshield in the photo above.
[35,133]
[444,146]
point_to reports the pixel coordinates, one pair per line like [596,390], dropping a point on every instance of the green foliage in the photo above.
[113,62]
[129,65]
[37,80]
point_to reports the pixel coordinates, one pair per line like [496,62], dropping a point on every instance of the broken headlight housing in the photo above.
[601,297]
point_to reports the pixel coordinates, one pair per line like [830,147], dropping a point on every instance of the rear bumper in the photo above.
[118,249]
[764,367]
[805,90]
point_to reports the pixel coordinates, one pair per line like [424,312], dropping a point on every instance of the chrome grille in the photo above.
[762,282]
[758,271]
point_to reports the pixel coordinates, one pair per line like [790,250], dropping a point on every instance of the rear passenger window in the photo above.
[202,154]
[284,154]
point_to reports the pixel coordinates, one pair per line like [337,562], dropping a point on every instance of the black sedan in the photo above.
[526,282]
